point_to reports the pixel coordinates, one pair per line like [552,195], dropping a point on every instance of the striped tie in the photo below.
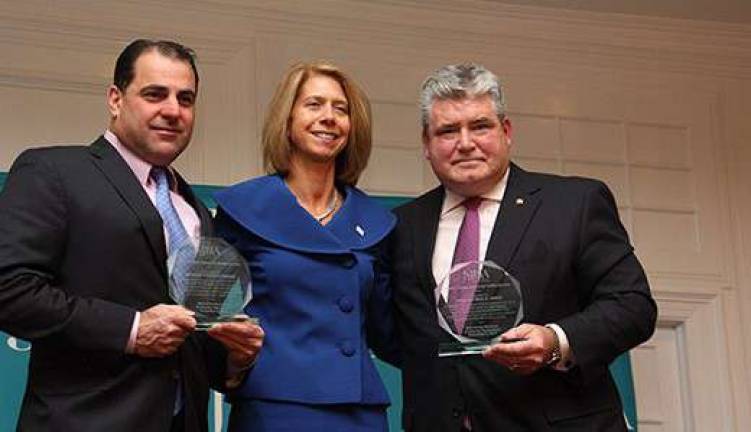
[179,243]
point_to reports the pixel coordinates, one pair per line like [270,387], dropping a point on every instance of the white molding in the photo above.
[699,318]
[478,28]
[734,158]
[49,80]
[677,307]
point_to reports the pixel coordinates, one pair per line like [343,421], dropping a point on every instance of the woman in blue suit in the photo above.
[315,246]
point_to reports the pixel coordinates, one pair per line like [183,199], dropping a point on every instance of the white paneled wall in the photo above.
[656,108]
[663,403]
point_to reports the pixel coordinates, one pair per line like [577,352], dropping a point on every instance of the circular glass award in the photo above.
[476,303]
[213,281]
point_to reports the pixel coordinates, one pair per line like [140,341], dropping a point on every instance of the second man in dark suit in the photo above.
[85,232]
[586,297]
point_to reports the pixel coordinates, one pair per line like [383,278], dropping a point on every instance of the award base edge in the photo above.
[205,325]
[452,349]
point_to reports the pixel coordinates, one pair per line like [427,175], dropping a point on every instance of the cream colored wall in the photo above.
[654,107]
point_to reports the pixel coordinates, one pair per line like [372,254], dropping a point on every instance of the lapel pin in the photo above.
[359,230]
[520,201]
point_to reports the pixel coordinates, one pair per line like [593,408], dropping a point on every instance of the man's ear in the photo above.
[425,144]
[507,129]
[114,100]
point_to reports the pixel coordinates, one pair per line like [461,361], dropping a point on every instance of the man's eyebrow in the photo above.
[150,87]
[447,124]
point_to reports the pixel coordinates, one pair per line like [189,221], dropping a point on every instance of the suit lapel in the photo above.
[185,191]
[121,177]
[426,223]
[519,205]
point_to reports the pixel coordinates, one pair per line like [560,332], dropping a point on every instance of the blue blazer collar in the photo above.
[268,209]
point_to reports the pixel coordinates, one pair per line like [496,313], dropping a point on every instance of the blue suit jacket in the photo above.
[321,292]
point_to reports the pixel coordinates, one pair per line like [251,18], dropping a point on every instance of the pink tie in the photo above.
[462,289]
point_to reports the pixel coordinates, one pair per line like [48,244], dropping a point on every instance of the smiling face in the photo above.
[319,122]
[467,145]
[153,116]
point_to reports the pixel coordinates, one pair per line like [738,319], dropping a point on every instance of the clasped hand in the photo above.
[529,352]
[242,339]
[163,328]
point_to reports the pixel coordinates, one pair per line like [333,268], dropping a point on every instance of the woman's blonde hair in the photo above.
[277,148]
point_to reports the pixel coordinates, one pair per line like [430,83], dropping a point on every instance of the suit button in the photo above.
[347,349]
[175,374]
[345,304]
[348,262]
[456,413]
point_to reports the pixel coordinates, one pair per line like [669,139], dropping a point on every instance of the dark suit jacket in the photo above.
[562,239]
[81,250]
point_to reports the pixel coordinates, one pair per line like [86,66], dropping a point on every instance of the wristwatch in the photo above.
[555,352]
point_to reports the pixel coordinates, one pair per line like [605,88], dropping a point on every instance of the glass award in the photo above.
[476,303]
[213,281]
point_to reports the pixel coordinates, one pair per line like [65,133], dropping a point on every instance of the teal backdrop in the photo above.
[14,355]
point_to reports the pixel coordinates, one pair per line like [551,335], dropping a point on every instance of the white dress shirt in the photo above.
[188,216]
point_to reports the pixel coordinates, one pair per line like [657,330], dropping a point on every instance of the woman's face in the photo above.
[319,122]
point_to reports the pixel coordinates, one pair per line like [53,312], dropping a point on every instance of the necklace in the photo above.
[330,209]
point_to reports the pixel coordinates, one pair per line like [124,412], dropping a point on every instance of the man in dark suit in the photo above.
[83,271]
[585,296]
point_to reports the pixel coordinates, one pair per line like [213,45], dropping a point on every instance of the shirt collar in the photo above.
[140,167]
[453,200]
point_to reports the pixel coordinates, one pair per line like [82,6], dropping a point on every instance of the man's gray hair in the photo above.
[459,81]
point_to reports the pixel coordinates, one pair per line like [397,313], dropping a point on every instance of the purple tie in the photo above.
[462,290]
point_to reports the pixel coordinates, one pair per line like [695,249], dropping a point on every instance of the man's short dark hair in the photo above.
[124,67]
